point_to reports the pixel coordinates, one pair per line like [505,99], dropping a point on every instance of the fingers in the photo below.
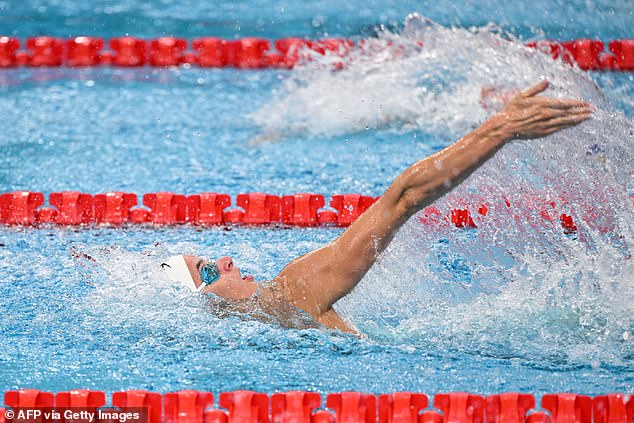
[562,122]
[553,113]
[535,89]
[563,104]
[530,94]
[554,129]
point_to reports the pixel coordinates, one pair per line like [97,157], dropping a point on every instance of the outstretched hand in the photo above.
[529,115]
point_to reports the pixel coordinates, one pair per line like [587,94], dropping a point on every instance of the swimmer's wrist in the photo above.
[496,130]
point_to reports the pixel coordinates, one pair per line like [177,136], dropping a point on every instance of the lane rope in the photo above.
[28,208]
[255,53]
[189,406]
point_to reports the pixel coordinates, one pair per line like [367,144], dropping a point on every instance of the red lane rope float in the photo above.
[254,53]
[166,208]
[191,406]
[590,54]
[26,208]
[248,53]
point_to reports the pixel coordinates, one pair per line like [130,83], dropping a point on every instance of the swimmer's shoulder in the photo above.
[270,302]
[272,293]
[277,294]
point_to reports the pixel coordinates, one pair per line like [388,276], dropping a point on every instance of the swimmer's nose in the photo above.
[225,264]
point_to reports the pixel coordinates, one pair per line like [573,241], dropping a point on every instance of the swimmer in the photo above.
[314,282]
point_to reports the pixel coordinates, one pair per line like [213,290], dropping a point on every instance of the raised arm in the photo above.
[318,279]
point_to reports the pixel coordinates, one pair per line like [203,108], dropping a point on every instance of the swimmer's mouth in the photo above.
[246,277]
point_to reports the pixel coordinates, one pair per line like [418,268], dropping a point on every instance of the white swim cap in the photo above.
[178,271]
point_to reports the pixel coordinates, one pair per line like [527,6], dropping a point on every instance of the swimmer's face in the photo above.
[231,284]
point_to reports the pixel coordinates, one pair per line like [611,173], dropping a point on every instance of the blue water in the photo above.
[506,307]
[190,18]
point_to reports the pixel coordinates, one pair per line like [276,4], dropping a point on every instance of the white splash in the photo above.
[428,77]
[518,286]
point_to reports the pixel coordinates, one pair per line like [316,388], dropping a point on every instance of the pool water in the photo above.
[515,305]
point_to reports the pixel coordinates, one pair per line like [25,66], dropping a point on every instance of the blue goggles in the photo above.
[209,274]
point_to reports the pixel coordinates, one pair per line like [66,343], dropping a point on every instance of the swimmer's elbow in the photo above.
[414,198]
[422,185]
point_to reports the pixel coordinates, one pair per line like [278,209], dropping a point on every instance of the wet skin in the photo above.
[232,285]
[315,281]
